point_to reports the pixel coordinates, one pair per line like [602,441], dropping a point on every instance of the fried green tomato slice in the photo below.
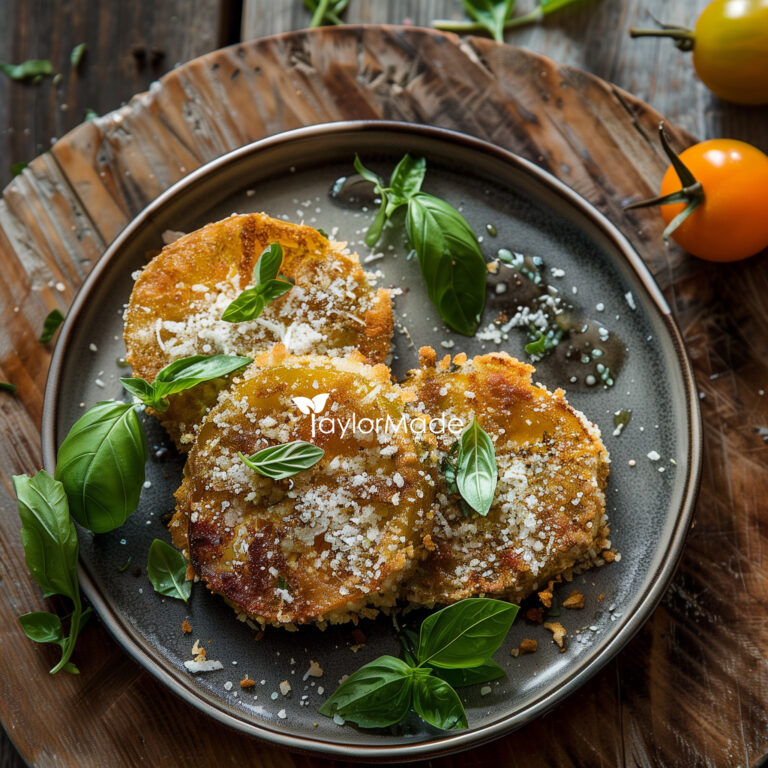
[548,512]
[179,298]
[332,542]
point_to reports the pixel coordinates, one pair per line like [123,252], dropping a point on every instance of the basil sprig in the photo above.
[183,374]
[266,288]
[476,471]
[50,548]
[492,15]
[167,570]
[100,465]
[50,325]
[32,68]
[285,460]
[449,255]
[453,649]
[325,12]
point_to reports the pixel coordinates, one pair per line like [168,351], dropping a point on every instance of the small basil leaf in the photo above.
[188,372]
[247,306]
[268,265]
[377,695]
[17,168]
[43,627]
[47,534]
[476,468]
[408,176]
[35,68]
[550,6]
[101,465]
[77,55]
[140,388]
[71,668]
[465,634]
[374,231]
[366,174]
[325,11]
[274,289]
[451,261]
[285,460]
[459,678]
[167,570]
[50,325]
[435,702]
[493,15]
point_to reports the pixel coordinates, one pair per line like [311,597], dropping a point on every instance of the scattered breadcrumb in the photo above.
[185,627]
[527,645]
[259,635]
[246,682]
[546,595]
[285,687]
[535,614]
[198,651]
[601,597]
[514,652]
[574,601]
[558,632]
[608,555]
[315,670]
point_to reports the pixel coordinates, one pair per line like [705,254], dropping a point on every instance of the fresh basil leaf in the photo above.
[476,468]
[492,15]
[544,344]
[47,534]
[71,668]
[101,465]
[465,634]
[77,55]
[6,386]
[34,68]
[406,181]
[325,11]
[550,6]
[252,301]
[247,306]
[274,289]
[451,261]
[167,570]
[183,374]
[377,695]
[323,233]
[17,168]
[90,114]
[435,702]
[53,320]
[368,175]
[459,678]
[43,627]
[285,460]
[374,231]
[268,265]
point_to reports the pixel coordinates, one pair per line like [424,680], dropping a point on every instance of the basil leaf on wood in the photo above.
[285,460]
[50,325]
[101,465]
[266,288]
[459,678]
[17,168]
[476,473]
[183,374]
[167,570]
[32,68]
[451,261]
[435,702]
[50,549]
[377,695]
[493,15]
[76,57]
[465,634]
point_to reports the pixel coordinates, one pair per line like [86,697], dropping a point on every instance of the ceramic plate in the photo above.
[578,252]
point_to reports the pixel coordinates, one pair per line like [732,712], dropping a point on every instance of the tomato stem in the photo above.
[691,193]
[683,37]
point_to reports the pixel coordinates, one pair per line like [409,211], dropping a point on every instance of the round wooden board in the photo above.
[698,667]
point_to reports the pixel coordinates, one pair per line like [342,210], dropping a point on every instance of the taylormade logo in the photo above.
[415,425]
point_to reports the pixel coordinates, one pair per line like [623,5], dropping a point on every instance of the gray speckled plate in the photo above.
[586,258]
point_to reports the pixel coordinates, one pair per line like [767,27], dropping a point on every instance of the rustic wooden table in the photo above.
[692,689]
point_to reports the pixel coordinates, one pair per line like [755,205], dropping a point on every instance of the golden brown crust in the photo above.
[176,305]
[333,540]
[548,511]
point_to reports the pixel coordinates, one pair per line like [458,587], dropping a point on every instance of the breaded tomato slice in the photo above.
[548,512]
[177,302]
[330,543]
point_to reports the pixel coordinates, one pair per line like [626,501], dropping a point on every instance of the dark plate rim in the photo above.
[473,736]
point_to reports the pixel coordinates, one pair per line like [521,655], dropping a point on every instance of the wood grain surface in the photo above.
[692,688]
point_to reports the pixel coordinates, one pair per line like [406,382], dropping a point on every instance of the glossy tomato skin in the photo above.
[730,51]
[732,222]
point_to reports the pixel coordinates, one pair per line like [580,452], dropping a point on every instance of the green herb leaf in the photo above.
[43,627]
[125,566]
[377,695]
[285,460]
[459,678]
[406,181]
[51,324]
[17,168]
[34,68]
[451,261]
[374,231]
[477,472]
[325,11]
[183,374]
[77,55]
[437,703]
[101,465]
[491,15]
[252,301]
[6,386]
[71,668]
[465,634]
[90,114]
[47,533]
[167,570]
[550,6]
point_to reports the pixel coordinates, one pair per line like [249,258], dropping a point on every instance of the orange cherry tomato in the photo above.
[732,221]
